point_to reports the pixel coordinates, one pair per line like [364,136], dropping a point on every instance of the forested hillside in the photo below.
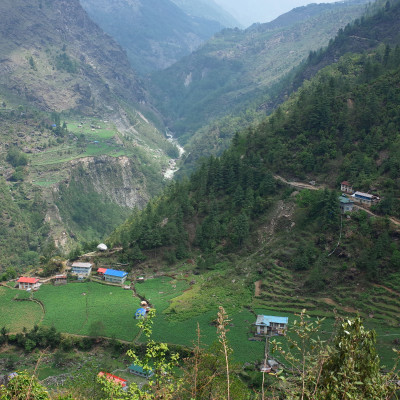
[378,26]
[236,67]
[340,125]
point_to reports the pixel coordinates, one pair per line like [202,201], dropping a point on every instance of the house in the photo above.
[115,276]
[269,325]
[137,370]
[60,280]
[25,283]
[101,271]
[82,269]
[346,204]
[346,187]
[113,378]
[365,198]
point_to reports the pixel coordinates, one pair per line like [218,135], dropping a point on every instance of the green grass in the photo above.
[16,315]
[74,307]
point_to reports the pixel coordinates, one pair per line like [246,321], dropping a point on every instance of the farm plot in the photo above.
[78,308]
[15,315]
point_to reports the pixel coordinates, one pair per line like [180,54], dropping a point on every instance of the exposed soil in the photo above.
[331,302]
[257,289]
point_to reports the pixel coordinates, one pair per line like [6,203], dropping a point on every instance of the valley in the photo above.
[231,176]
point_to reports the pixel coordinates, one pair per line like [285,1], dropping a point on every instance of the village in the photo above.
[262,329]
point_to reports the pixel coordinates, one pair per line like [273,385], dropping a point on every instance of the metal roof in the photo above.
[345,200]
[82,265]
[102,270]
[361,194]
[114,272]
[24,279]
[266,320]
[138,368]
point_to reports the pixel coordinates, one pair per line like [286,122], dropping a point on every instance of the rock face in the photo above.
[115,177]
[58,59]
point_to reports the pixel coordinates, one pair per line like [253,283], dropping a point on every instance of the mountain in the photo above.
[78,135]
[240,229]
[236,67]
[208,9]
[154,33]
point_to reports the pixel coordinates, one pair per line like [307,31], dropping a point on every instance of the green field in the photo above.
[17,314]
[76,307]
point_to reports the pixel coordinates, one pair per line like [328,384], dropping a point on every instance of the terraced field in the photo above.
[76,308]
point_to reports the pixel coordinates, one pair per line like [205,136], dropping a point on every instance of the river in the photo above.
[172,168]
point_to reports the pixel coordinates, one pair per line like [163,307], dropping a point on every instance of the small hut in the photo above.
[140,313]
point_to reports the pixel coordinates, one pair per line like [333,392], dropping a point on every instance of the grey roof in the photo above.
[266,320]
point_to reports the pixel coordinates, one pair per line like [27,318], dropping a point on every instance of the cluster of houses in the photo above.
[349,197]
[82,270]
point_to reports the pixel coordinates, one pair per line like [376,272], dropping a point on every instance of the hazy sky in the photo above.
[250,11]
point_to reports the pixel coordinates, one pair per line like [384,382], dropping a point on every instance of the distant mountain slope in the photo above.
[154,33]
[76,114]
[56,57]
[208,9]
[235,67]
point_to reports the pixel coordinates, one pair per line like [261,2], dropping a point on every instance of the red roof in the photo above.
[114,378]
[102,270]
[24,279]
[346,183]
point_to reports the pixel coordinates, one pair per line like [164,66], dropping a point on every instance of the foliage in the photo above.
[347,369]
[23,387]
[16,157]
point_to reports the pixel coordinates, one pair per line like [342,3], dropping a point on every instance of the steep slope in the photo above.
[154,33]
[56,57]
[70,102]
[236,225]
[236,66]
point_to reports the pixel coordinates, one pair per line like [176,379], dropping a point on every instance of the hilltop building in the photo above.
[346,204]
[60,280]
[346,187]
[137,370]
[115,276]
[365,198]
[81,269]
[25,283]
[267,325]
[114,378]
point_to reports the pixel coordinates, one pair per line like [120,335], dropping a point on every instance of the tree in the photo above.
[349,369]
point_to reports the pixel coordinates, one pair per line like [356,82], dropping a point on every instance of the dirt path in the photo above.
[331,302]
[257,289]
[300,185]
[388,289]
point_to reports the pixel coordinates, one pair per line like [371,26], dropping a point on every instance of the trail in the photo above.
[302,185]
[387,288]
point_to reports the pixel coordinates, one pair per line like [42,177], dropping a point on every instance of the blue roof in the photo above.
[268,319]
[140,312]
[114,272]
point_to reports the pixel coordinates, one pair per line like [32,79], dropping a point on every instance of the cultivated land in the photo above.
[77,307]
